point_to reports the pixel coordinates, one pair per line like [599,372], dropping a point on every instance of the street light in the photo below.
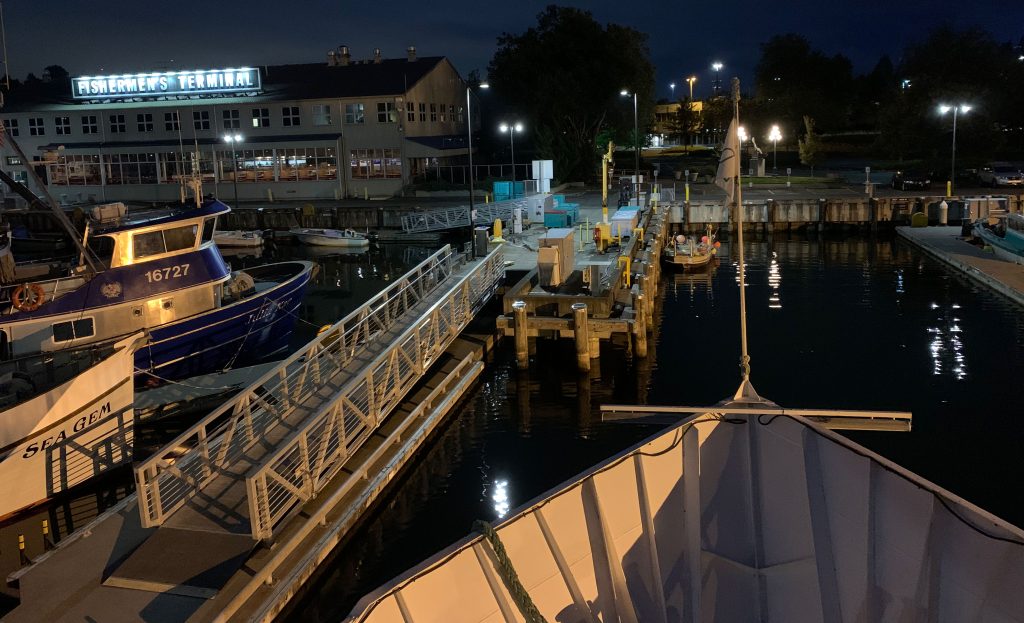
[943,109]
[512,129]
[775,136]
[234,140]
[469,134]
[717,66]
[691,80]
[672,85]
[636,135]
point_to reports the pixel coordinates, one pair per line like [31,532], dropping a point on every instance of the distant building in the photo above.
[343,127]
[664,124]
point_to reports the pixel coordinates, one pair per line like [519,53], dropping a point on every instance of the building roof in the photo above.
[389,77]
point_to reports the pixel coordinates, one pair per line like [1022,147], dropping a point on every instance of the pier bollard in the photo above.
[595,347]
[581,332]
[640,325]
[522,336]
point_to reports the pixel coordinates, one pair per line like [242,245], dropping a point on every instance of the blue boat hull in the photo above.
[236,335]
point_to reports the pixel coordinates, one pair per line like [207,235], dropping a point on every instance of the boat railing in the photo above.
[40,372]
[166,479]
[52,289]
[300,467]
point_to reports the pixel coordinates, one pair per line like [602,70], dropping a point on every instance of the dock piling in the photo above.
[579,322]
[521,336]
[640,325]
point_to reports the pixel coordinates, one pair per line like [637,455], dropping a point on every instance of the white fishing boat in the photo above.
[65,417]
[331,237]
[238,238]
[743,511]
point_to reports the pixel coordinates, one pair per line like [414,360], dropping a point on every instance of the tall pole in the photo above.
[952,171]
[775,154]
[469,134]
[744,357]
[636,140]
[512,146]
[234,165]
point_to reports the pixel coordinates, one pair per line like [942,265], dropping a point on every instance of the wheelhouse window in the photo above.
[62,125]
[73,330]
[290,115]
[164,241]
[102,248]
[208,227]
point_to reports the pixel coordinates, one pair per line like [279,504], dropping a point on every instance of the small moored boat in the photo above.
[331,237]
[238,238]
[1005,236]
[689,253]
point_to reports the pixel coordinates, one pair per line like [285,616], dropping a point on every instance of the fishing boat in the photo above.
[1005,236]
[65,417]
[688,253]
[331,237]
[238,238]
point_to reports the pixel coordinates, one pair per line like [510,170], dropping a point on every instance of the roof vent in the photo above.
[332,58]
[345,56]
[376,56]
[411,51]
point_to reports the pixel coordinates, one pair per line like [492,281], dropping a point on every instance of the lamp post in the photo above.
[636,135]
[234,140]
[672,85]
[512,129]
[775,136]
[691,80]
[717,66]
[943,109]
[469,135]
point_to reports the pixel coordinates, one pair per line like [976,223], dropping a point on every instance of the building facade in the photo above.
[342,128]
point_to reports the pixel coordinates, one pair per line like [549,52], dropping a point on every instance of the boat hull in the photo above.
[1002,247]
[235,335]
[324,239]
[687,262]
[76,431]
[238,239]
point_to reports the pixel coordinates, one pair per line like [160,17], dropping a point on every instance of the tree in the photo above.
[55,73]
[564,75]
[685,122]
[811,152]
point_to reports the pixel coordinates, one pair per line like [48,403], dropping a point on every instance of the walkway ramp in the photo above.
[454,218]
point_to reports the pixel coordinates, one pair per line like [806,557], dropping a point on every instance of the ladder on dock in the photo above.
[453,218]
[249,464]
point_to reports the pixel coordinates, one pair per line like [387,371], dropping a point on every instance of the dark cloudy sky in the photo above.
[685,36]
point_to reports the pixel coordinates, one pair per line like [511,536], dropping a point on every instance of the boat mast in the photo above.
[746,390]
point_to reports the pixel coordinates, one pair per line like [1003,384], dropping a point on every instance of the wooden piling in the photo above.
[640,324]
[522,336]
[579,328]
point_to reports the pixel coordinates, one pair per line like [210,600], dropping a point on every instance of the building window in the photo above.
[171,121]
[461,112]
[261,117]
[63,125]
[376,163]
[433,113]
[76,170]
[423,111]
[35,126]
[307,164]
[145,121]
[321,114]
[90,124]
[451,113]
[253,165]
[354,113]
[290,116]
[177,164]
[231,120]
[201,119]
[118,124]
[11,126]
[386,112]
[129,169]
[14,161]
[443,117]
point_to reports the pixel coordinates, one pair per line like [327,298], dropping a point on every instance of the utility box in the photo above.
[549,268]
[480,240]
[560,239]
[543,172]
[624,221]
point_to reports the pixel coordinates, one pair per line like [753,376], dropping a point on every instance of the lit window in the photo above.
[354,113]
[386,112]
[261,117]
[321,114]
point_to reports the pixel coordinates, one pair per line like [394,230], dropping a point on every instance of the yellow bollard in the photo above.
[497,231]
[687,192]
[949,188]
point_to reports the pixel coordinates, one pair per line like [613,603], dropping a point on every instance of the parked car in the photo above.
[998,174]
[907,180]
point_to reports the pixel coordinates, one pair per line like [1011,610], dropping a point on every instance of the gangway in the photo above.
[280,440]
[453,218]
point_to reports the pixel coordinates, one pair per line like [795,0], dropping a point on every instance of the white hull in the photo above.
[330,238]
[750,519]
[69,434]
[243,239]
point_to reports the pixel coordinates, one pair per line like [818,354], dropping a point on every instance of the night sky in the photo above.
[108,36]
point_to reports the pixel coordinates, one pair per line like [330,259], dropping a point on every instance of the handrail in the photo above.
[166,478]
[450,218]
[302,465]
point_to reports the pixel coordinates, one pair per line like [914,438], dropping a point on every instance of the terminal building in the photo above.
[345,127]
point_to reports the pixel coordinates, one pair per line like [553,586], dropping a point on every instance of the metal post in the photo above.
[581,333]
[512,146]
[636,140]
[952,171]
[522,337]
[234,165]
[469,133]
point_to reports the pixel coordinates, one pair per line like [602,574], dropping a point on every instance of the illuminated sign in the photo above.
[199,82]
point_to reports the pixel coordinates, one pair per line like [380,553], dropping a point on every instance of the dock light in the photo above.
[943,109]
[717,66]
[741,133]
[512,129]
[775,136]
[234,140]
[469,144]
[691,80]
[636,135]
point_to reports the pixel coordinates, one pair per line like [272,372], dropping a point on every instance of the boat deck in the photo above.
[945,244]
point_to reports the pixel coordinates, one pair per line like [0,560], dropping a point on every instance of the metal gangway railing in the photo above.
[302,465]
[453,218]
[167,479]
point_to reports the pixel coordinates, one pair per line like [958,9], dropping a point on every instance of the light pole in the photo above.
[775,136]
[234,140]
[672,85]
[512,129]
[469,135]
[717,66]
[636,136]
[691,80]
[943,109]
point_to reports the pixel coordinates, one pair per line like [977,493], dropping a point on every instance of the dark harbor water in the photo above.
[859,324]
